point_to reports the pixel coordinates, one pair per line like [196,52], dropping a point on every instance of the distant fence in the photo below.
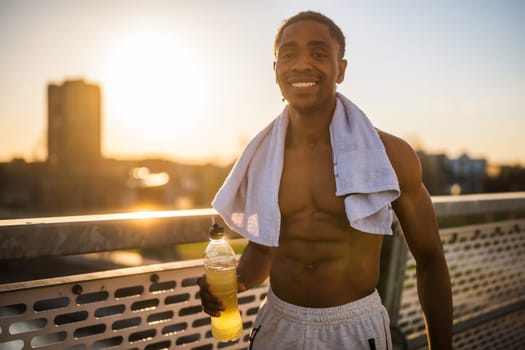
[157,307]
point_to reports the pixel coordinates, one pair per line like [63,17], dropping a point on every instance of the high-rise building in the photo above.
[74,124]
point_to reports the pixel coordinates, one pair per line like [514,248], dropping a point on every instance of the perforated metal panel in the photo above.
[503,333]
[154,307]
[487,269]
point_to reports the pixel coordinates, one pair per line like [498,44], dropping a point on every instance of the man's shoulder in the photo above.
[395,145]
[403,158]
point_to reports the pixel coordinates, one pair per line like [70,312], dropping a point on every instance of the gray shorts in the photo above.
[361,324]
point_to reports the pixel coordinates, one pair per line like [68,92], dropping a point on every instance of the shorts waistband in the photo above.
[355,310]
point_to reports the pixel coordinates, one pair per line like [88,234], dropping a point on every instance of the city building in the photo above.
[468,175]
[74,124]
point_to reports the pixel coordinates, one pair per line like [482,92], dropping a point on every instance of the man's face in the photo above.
[308,65]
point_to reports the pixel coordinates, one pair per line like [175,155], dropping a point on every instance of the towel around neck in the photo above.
[248,199]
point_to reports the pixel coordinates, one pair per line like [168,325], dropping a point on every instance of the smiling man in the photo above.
[314,193]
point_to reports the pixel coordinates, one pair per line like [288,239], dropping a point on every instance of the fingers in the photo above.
[210,303]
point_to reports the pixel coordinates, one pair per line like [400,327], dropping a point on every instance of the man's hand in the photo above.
[210,303]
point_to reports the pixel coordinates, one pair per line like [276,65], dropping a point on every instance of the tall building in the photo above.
[74,124]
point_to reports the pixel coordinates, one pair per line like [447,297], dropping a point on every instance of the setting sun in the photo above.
[150,83]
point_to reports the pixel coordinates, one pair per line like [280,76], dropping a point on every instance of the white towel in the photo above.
[248,199]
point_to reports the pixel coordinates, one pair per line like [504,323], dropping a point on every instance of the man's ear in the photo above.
[274,70]
[342,70]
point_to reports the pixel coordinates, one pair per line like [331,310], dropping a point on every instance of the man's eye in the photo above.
[319,54]
[286,56]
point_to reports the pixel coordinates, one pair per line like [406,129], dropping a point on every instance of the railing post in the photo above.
[393,264]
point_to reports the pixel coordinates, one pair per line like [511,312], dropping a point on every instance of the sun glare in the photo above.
[149,85]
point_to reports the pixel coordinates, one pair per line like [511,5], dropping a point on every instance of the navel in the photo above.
[309,267]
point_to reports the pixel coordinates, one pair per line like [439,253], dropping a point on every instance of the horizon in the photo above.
[449,78]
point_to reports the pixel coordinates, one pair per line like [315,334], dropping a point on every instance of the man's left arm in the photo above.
[416,215]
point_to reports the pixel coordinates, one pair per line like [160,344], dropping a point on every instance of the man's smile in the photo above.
[303,84]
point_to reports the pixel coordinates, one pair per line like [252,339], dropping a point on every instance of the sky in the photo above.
[193,80]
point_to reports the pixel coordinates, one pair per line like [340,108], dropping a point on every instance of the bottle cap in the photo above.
[216,231]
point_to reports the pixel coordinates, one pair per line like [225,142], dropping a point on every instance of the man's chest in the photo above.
[308,181]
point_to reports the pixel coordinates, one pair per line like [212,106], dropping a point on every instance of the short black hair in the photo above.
[334,29]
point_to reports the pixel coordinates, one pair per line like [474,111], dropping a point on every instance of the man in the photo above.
[324,271]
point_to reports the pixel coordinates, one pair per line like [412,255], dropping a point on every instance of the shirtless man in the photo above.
[321,261]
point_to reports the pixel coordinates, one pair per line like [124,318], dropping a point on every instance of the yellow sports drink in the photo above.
[223,283]
[220,266]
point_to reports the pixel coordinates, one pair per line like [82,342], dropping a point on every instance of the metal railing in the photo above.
[157,307]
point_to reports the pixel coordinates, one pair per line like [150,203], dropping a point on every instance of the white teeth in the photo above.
[303,84]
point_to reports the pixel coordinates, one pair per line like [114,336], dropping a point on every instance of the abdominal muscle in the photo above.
[322,262]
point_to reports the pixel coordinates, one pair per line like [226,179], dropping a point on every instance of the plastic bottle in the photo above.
[221,275]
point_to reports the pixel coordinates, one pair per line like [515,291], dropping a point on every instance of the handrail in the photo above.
[139,215]
[59,236]
[472,204]
[68,235]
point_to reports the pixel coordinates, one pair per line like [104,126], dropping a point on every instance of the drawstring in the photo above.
[252,336]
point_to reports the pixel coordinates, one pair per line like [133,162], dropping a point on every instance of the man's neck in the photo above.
[309,127]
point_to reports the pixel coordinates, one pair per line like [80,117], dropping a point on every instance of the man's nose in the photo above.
[302,62]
